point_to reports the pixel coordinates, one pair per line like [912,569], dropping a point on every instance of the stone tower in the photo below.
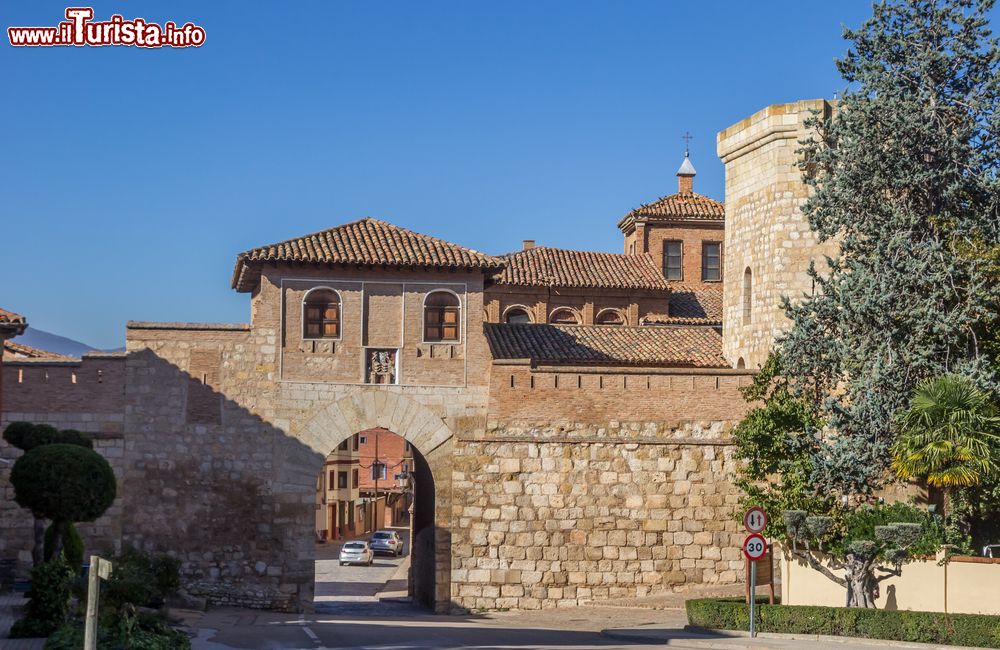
[768,242]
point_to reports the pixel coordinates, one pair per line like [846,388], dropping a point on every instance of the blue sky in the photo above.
[131,178]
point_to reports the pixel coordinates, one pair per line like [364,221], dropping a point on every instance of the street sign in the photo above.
[755,520]
[754,547]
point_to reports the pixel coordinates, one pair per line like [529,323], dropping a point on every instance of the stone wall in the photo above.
[559,522]
[765,229]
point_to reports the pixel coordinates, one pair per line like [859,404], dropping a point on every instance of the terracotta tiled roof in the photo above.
[10,317]
[603,345]
[369,242]
[690,306]
[559,267]
[21,351]
[12,324]
[677,207]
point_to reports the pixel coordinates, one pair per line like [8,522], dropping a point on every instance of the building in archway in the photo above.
[568,411]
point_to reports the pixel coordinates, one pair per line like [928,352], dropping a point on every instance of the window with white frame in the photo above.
[442,317]
[321,315]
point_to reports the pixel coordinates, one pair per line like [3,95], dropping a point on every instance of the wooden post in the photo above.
[98,569]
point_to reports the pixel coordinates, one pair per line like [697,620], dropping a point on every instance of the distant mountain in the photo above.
[43,340]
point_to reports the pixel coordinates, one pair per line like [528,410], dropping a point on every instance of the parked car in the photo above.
[387,541]
[356,553]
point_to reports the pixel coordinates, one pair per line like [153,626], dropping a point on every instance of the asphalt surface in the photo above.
[351,589]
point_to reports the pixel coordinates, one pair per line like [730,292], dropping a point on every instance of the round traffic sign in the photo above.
[755,520]
[754,546]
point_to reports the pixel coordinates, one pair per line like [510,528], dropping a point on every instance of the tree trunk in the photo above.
[38,550]
[57,539]
[860,583]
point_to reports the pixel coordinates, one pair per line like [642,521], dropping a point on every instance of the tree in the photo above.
[64,483]
[775,441]
[27,436]
[861,542]
[904,177]
[948,435]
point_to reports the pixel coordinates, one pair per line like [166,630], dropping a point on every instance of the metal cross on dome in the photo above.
[687,137]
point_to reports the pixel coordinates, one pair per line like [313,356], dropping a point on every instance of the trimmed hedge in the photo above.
[917,627]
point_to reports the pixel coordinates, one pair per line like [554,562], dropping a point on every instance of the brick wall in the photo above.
[525,394]
[650,238]
[86,395]
[542,301]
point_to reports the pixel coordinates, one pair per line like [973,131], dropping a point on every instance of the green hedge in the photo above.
[918,627]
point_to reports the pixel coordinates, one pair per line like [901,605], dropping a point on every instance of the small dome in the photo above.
[687,169]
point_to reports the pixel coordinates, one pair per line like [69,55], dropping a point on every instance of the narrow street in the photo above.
[356,589]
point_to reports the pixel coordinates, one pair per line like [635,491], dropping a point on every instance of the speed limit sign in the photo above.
[754,547]
[755,520]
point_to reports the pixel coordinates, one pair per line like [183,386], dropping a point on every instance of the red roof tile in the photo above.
[11,318]
[677,207]
[690,306]
[605,345]
[12,324]
[21,351]
[368,242]
[559,267]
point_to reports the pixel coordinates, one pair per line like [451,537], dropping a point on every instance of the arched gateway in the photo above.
[328,426]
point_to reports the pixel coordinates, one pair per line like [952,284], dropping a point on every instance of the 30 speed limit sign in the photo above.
[755,520]
[754,547]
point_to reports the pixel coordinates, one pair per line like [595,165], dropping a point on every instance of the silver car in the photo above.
[387,541]
[356,553]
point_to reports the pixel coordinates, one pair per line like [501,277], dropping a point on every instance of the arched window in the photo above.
[741,364]
[610,317]
[442,317]
[747,296]
[321,314]
[564,316]
[516,315]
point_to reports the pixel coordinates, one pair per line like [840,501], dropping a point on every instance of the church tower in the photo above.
[768,241]
[683,232]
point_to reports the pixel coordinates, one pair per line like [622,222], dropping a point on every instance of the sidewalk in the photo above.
[688,637]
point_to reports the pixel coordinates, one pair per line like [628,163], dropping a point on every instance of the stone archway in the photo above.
[325,427]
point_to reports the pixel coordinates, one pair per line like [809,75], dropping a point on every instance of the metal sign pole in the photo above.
[753,598]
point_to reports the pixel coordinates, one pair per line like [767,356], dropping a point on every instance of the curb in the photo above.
[729,639]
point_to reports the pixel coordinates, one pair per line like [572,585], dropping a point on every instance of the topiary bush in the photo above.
[72,545]
[64,483]
[27,436]
[917,627]
[48,600]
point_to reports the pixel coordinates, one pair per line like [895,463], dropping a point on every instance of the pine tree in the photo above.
[904,177]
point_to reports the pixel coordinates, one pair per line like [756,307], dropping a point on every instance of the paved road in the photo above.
[413,629]
[351,589]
